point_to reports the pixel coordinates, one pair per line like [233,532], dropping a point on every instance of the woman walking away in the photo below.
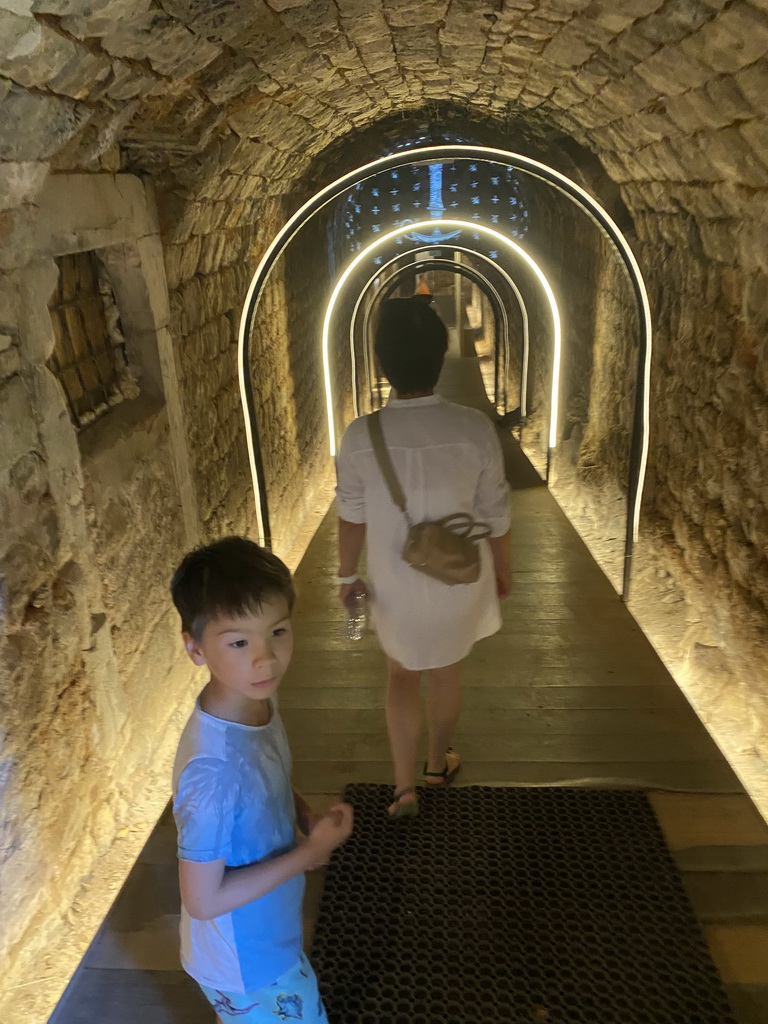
[446,459]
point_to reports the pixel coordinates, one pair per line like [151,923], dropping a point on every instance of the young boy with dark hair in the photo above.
[241,871]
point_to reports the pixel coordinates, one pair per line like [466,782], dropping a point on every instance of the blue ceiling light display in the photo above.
[484,193]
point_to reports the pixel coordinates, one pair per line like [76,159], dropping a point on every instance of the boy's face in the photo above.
[247,655]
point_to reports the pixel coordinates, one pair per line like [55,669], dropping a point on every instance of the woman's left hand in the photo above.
[503,581]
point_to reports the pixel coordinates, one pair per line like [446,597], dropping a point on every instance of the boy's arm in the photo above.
[208,890]
[306,818]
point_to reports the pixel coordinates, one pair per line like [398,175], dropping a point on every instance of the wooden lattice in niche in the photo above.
[89,356]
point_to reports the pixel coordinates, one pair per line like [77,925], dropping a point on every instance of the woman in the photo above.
[448,459]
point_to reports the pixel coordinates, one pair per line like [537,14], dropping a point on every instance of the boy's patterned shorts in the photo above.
[293,997]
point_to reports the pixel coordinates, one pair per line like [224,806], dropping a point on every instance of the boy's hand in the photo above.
[306,819]
[333,829]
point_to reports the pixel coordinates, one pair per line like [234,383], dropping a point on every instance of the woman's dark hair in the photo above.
[230,577]
[411,342]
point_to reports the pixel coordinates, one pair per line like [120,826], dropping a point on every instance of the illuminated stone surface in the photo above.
[239,111]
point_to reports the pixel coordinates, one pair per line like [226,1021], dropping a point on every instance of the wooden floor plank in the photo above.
[691,820]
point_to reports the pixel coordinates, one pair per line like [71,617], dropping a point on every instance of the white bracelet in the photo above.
[343,580]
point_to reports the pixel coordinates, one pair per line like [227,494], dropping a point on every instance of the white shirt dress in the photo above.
[448,459]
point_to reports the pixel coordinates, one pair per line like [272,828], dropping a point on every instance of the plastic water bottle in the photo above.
[357,615]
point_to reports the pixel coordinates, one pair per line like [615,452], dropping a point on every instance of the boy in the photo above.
[241,872]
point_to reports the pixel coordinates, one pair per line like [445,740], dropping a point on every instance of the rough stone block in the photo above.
[128,82]
[733,40]
[268,121]
[37,284]
[568,51]
[98,18]
[18,426]
[46,58]
[756,297]
[16,237]
[190,256]
[225,78]
[753,247]
[29,478]
[753,83]
[20,183]
[755,133]
[316,24]
[170,48]
[731,154]
[82,76]
[10,362]
[22,37]
[224,22]
[35,126]
[9,302]
[672,71]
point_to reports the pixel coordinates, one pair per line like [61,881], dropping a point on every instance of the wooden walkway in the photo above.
[569,692]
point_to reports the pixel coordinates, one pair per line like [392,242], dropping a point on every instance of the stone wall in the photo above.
[708,500]
[701,561]
[209,270]
[306,465]
[567,247]
[205,300]
[94,686]
[238,112]
[93,524]
[700,572]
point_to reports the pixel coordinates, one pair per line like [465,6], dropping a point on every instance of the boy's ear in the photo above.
[194,650]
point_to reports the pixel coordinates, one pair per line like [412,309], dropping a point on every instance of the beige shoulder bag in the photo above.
[445,549]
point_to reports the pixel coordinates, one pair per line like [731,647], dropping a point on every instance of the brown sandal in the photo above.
[403,811]
[448,774]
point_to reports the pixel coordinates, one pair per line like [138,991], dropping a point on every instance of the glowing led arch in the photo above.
[444,223]
[463,270]
[477,255]
[638,459]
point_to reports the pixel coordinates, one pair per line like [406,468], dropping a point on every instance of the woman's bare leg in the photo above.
[443,710]
[403,723]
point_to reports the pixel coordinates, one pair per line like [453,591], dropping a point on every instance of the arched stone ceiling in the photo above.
[670,94]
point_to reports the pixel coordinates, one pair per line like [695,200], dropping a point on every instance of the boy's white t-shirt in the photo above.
[232,799]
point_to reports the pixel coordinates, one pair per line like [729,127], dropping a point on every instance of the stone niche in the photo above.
[93,689]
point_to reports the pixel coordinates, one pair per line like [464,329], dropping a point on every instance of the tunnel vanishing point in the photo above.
[150,150]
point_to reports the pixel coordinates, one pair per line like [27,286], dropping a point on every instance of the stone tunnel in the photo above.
[150,150]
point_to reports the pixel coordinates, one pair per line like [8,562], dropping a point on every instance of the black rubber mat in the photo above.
[511,906]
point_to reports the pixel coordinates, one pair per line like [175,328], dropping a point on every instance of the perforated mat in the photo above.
[511,906]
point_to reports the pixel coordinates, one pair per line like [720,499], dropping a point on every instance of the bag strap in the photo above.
[462,524]
[385,462]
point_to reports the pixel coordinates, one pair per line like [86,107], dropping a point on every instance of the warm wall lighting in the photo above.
[638,459]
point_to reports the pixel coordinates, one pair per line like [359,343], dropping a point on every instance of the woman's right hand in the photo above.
[347,589]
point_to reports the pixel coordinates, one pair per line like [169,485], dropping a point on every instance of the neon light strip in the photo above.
[478,255]
[445,223]
[598,214]
[463,270]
